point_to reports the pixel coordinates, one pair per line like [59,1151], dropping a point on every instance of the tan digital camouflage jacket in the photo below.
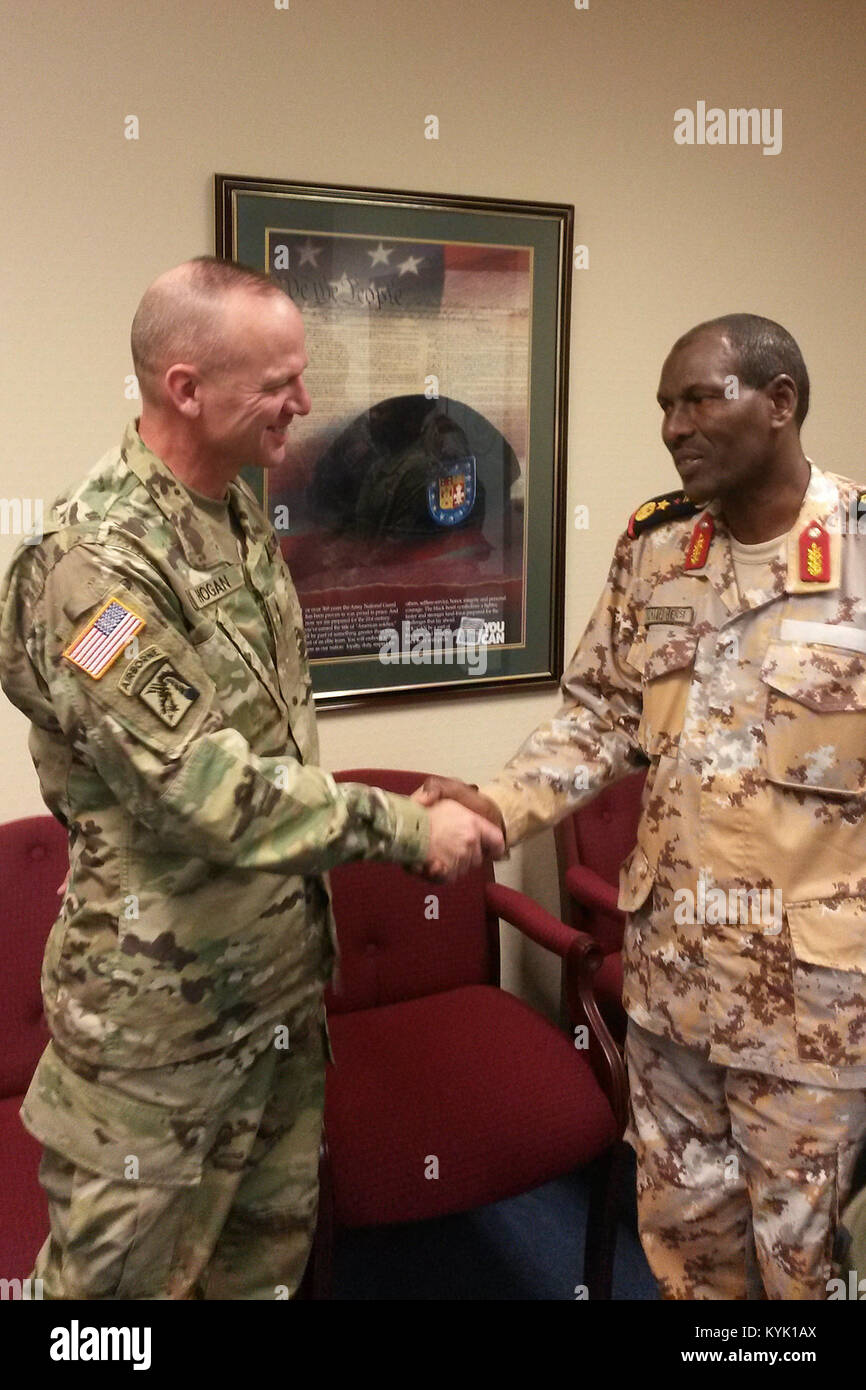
[752,717]
[184,766]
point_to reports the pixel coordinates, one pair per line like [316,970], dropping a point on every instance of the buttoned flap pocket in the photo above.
[828,956]
[665,657]
[815,722]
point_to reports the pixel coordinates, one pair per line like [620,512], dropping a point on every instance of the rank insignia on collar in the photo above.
[699,543]
[814,547]
[668,506]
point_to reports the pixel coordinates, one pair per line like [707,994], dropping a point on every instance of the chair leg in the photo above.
[606,1176]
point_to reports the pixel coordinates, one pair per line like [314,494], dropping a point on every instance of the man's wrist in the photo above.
[412,829]
[495,794]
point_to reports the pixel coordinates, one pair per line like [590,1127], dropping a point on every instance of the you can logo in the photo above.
[735,907]
[736,126]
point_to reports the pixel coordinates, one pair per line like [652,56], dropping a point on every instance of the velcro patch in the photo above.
[97,648]
[168,695]
[138,666]
[682,616]
[218,586]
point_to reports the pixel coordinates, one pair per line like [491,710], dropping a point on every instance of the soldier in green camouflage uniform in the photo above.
[728,654]
[155,641]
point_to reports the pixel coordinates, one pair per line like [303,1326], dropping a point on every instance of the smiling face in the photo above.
[247,405]
[720,446]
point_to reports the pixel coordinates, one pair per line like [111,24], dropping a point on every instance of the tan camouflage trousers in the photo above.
[244,1231]
[733,1166]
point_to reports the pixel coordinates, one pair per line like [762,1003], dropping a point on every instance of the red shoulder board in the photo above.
[667,507]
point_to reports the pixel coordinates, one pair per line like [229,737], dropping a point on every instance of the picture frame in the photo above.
[421,506]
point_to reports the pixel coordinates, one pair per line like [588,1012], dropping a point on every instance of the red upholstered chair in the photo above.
[33,863]
[591,845]
[439,1070]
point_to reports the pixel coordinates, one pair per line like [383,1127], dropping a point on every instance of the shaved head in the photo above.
[763,349]
[181,318]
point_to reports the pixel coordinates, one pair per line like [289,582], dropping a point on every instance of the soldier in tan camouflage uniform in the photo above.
[155,642]
[728,652]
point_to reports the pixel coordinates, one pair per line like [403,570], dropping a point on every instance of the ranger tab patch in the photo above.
[668,506]
[168,695]
[100,644]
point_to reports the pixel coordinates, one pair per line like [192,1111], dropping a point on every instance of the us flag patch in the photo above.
[104,638]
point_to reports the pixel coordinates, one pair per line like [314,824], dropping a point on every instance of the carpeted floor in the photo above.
[530,1247]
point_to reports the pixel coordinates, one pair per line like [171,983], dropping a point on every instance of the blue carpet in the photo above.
[529,1247]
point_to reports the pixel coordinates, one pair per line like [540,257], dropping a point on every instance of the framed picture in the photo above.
[420,507]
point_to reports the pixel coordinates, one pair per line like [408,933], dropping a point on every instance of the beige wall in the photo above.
[535,100]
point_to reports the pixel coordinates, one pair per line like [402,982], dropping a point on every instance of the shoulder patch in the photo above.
[668,506]
[168,694]
[101,642]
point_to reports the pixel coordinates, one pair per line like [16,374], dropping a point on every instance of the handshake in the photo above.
[464,828]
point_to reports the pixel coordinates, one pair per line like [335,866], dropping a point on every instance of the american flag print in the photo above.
[104,638]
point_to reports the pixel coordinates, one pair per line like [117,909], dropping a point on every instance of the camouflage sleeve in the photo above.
[194,782]
[592,739]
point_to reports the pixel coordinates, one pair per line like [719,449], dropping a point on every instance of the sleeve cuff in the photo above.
[507,803]
[411,831]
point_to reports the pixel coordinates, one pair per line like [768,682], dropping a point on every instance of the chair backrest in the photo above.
[401,936]
[601,835]
[33,864]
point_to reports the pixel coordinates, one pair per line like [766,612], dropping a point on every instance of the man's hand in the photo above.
[434,789]
[459,840]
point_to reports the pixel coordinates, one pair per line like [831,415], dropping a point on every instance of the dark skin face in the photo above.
[745,449]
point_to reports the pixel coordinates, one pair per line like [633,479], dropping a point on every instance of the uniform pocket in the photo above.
[815,723]
[636,879]
[105,1132]
[242,685]
[828,965]
[666,663]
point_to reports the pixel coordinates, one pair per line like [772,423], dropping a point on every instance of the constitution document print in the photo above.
[420,506]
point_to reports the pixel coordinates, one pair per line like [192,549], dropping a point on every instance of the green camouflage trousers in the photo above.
[733,1165]
[202,1178]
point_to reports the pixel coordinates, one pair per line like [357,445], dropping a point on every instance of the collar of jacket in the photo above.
[821,502]
[204,545]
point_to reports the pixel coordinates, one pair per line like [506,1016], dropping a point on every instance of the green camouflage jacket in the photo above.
[159,655]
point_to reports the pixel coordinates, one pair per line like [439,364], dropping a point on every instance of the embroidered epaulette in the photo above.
[667,507]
